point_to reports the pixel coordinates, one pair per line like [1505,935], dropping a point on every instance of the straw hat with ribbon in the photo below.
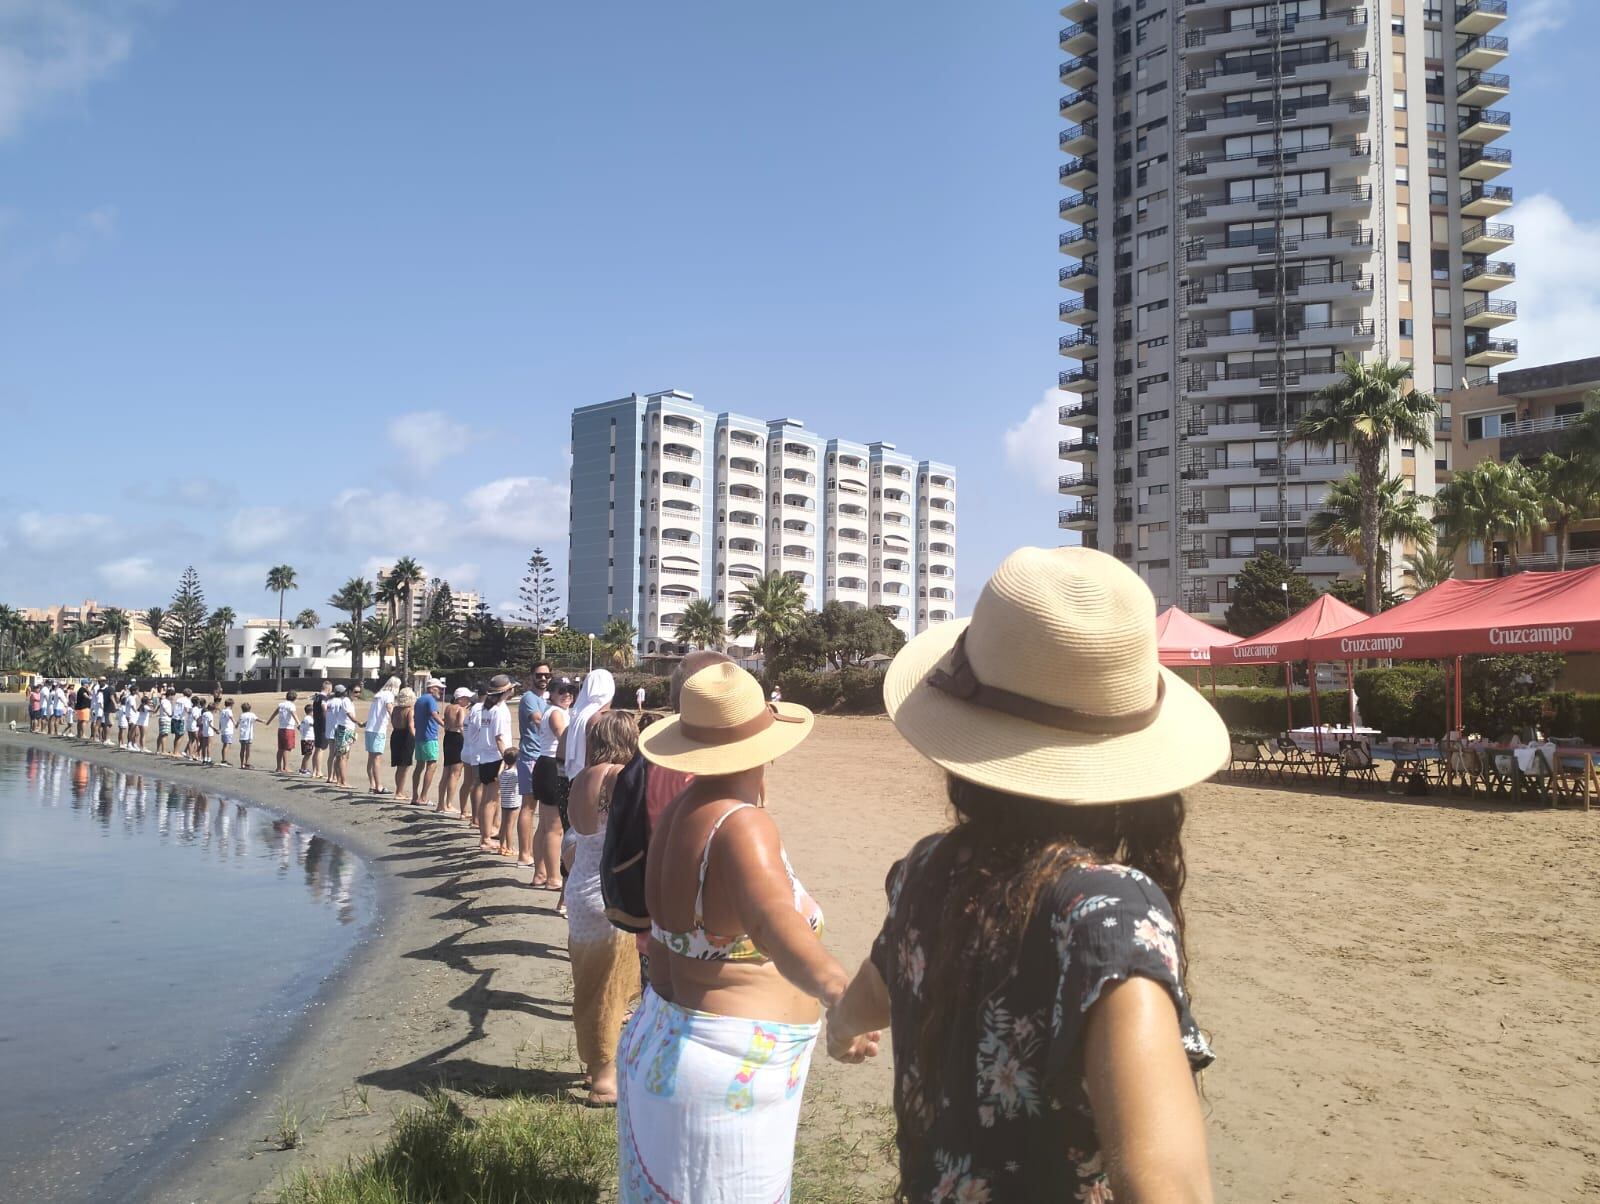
[1054,688]
[724,725]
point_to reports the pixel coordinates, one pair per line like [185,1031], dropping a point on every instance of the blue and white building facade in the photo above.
[671,503]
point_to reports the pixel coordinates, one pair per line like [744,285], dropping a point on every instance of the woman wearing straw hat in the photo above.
[714,1063]
[1032,960]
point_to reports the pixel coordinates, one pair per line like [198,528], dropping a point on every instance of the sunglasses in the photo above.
[541,675]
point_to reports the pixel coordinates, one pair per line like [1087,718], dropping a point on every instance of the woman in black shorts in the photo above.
[550,788]
[403,739]
[453,718]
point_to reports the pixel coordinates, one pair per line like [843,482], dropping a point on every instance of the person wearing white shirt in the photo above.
[247,734]
[377,731]
[287,724]
[489,738]
[226,729]
[338,715]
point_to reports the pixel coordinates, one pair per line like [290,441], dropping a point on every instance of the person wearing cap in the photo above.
[338,713]
[425,723]
[453,719]
[1032,960]
[550,788]
[738,972]
[488,736]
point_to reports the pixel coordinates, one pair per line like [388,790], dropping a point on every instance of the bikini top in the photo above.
[705,946]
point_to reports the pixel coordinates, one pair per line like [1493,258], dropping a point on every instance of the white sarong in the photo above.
[708,1105]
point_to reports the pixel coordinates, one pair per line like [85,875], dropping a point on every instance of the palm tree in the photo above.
[618,639]
[274,644]
[59,656]
[1367,410]
[1571,493]
[143,664]
[1488,502]
[223,618]
[155,618]
[307,619]
[406,576]
[1432,567]
[1582,439]
[280,580]
[212,649]
[383,633]
[355,598]
[701,625]
[13,629]
[1336,528]
[769,608]
[115,623]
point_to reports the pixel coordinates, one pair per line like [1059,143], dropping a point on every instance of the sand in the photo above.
[1403,993]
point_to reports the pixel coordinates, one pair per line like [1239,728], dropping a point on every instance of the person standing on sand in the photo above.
[402,740]
[550,789]
[489,735]
[531,710]
[339,714]
[737,966]
[454,720]
[247,734]
[323,733]
[1032,959]
[377,733]
[163,723]
[286,731]
[308,739]
[82,705]
[638,699]
[605,972]
[207,723]
[425,726]
[226,729]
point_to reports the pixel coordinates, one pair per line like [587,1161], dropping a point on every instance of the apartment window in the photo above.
[1441,264]
[1433,44]
[1435,117]
[1145,383]
[1405,252]
[316,650]
[1441,302]
[238,649]
[1397,26]
[1441,342]
[1402,174]
[1145,313]
[1488,426]
[1406,327]
[1399,100]
[1145,165]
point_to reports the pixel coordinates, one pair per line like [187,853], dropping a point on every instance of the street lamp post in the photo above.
[591,652]
[1284,586]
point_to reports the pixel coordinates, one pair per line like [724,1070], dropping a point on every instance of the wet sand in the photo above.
[1403,994]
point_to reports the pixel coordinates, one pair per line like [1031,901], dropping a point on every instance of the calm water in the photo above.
[157,945]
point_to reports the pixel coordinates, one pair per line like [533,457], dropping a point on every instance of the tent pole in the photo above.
[1213,683]
[1461,719]
[1288,695]
[1316,719]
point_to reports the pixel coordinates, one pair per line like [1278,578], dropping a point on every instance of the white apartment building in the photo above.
[1254,191]
[311,653]
[671,503]
[463,601]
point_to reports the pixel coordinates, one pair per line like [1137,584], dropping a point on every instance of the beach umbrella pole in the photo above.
[1288,695]
[1461,719]
[1316,720]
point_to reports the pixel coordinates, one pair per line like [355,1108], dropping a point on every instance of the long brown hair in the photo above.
[992,866]
[613,738]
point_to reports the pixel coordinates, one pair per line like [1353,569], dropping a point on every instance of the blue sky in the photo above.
[320,283]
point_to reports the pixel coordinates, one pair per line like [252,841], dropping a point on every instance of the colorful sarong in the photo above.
[708,1106]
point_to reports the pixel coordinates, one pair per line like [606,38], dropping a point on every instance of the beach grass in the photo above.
[549,1150]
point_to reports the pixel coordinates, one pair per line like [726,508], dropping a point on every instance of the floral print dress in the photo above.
[1013,1120]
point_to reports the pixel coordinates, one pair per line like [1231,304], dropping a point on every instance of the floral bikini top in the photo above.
[705,946]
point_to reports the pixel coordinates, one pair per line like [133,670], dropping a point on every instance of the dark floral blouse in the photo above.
[1013,1121]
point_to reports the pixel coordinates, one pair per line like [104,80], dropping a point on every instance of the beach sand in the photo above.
[1402,993]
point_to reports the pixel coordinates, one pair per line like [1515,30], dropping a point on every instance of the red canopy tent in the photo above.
[1527,612]
[1290,641]
[1184,640]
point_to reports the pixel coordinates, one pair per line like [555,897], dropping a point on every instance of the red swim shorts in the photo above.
[286,739]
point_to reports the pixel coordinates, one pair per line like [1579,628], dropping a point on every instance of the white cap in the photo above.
[463,692]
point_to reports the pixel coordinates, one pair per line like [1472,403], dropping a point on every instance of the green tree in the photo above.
[1431,568]
[307,619]
[115,623]
[1258,595]
[838,636]
[211,650]
[1352,592]
[701,625]
[1336,528]
[13,635]
[143,664]
[617,643]
[274,644]
[442,605]
[223,617]
[406,576]
[1488,502]
[59,656]
[382,633]
[1570,491]
[769,608]
[281,579]
[1582,439]
[186,615]
[538,594]
[355,598]
[1367,410]
[155,618]
[564,646]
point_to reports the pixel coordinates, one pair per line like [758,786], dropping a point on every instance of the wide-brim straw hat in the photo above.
[1054,688]
[724,725]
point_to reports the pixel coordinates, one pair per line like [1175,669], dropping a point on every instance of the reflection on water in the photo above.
[160,942]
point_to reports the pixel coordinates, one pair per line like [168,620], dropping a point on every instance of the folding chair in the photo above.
[1541,776]
[1245,759]
[1292,758]
[1355,762]
[1576,780]
[1498,773]
[1454,771]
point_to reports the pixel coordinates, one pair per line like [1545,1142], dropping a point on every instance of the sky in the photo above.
[319,284]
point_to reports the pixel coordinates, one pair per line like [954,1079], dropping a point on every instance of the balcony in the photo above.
[1485,200]
[1080,346]
[1078,10]
[1484,238]
[1302,285]
[1086,483]
[1079,207]
[1489,353]
[1080,72]
[1081,38]
[1489,313]
[1081,450]
[1303,158]
[1085,412]
[1079,174]
[1482,53]
[1084,274]
[1079,313]
[1078,241]
[1079,380]
[1258,248]
[1483,163]
[677,451]
[1079,105]
[1301,375]
[1483,275]
[1298,67]
[1080,518]
[1344,22]
[1341,198]
[1483,125]
[1232,518]
[1479,16]
[1079,139]
[1218,340]
[1480,88]
[1252,116]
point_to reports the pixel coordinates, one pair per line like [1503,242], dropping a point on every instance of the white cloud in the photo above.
[52,50]
[258,527]
[1558,283]
[1031,444]
[131,572]
[520,510]
[458,575]
[53,532]
[1530,18]
[428,437]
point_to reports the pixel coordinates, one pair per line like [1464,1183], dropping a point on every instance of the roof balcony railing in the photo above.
[1490,307]
[1482,51]
[1483,117]
[1359,148]
[1289,63]
[1355,18]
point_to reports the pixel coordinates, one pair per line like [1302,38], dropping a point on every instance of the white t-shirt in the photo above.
[207,722]
[247,727]
[337,713]
[378,716]
[227,722]
[286,720]
[486,727]
[166,708]
[308,728]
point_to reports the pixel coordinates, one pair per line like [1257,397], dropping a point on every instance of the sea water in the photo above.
[159,944]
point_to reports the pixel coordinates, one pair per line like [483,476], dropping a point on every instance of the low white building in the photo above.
[311,653]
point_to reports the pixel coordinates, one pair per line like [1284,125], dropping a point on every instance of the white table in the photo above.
[1306,737]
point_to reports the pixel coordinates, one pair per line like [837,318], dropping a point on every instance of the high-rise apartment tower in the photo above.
[1253,192]
[671,503]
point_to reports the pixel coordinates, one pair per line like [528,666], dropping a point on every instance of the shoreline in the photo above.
[362,1050]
